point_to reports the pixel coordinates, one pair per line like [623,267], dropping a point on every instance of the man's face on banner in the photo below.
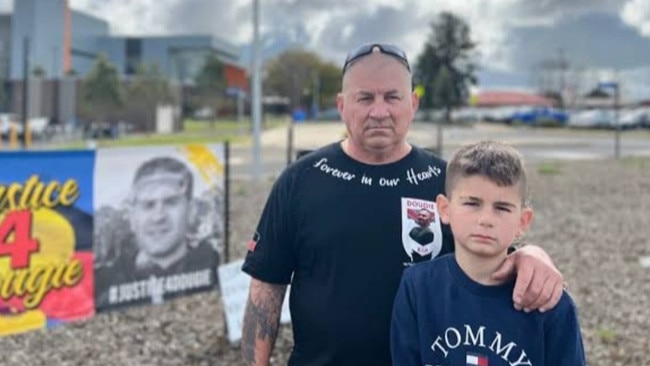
[159,217]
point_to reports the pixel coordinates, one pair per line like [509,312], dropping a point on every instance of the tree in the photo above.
[446,67]
[38,71]
[303,77]
[450,48]
[442,91]
[210,85]
[148,89]
[102,92]
[329,83]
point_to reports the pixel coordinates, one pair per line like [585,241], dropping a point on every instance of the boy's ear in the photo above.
[443,208]
[525,220]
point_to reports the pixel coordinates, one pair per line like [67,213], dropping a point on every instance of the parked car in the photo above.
[329,114]
[7,121]
[40,127]
[593,118]
[634,118]
[540,116]
[100,130]
[465,116]
[500,114]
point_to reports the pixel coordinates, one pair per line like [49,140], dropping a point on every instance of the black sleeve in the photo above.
[271,254]
[448,245]
[447,240]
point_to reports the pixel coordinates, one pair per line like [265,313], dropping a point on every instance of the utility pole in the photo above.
[562,66]
[616,85]
[257,93]
[25,90]
[617,125]
[315,102]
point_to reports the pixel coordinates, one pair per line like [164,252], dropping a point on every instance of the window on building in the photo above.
[133,55]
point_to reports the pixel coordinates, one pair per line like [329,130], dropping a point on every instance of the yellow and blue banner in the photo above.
[46,227]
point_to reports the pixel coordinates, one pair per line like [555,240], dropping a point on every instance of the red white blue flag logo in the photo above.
[474,359]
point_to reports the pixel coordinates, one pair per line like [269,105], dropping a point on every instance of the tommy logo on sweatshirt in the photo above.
[480,339]
[475,359]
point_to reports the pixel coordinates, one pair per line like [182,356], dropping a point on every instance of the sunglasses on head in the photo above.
[368,48]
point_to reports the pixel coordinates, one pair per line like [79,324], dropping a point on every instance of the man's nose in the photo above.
[379,110]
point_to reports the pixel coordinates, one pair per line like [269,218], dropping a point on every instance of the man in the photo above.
[160,203]
[333,223]
[159,213]
[421,236]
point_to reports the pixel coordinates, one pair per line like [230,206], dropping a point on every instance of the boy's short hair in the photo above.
[496,161]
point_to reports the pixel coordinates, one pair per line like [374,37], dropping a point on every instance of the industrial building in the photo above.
[61,43]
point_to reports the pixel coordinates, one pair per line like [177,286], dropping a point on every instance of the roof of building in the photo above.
[496,98]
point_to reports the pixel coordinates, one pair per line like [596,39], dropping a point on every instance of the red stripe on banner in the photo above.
[73,303]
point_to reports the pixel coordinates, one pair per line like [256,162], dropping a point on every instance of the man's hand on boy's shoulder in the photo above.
[538,283]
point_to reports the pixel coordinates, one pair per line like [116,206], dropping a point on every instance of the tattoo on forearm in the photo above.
[262,318]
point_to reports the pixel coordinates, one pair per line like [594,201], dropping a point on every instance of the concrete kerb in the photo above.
[312,135]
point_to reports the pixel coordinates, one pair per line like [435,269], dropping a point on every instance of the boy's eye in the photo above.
[503,208]
[470,203]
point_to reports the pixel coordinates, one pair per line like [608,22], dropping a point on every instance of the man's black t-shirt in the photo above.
[338,231]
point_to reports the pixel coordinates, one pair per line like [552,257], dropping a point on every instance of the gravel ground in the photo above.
[592,217]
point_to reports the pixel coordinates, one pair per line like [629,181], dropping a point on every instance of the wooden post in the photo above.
[13,136]
[27,136]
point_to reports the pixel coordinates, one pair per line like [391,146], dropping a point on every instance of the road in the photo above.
[536,144]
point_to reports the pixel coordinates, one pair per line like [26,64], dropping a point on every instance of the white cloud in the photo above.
[636,13]
[491,21]
[330,27]
[6,6]
[128,17]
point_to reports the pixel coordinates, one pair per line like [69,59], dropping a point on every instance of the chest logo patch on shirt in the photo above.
[253,242]
[421,232]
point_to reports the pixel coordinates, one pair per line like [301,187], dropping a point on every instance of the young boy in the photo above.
[449,311]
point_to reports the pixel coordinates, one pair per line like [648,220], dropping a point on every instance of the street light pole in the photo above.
[315,101]
[617,133]
[257,94]
[617,127]
[25,115]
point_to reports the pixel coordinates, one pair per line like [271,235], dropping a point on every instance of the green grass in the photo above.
[636,161]
[230,126]
[195,132]
[548,168]
[608,336]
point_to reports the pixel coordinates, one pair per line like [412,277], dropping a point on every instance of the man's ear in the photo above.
[340,97]
[415,101]
[443,208]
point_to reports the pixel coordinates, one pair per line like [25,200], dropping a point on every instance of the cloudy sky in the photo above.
[602,39]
